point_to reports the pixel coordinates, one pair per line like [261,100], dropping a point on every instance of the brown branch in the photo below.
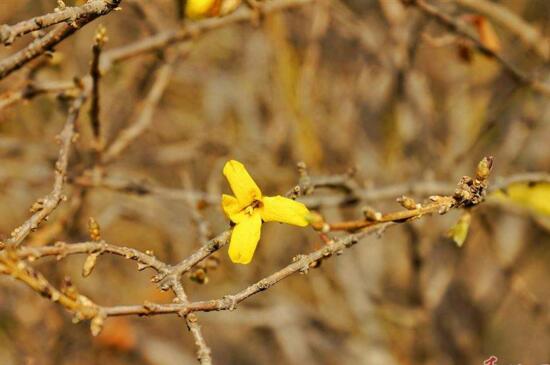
[54,37]
[458,28]
[300,264]
[62,249]
[43,207]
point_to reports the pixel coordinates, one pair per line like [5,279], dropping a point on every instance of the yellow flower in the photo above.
[248,208]
[198,9]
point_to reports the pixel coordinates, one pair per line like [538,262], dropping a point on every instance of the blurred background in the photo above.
[374,86]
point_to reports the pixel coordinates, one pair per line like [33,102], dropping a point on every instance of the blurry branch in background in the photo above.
[458,28]
[46,43]
[339,183]
[95,72]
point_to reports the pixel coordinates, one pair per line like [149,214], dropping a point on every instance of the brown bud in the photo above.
[371,214]
[484,168]
[199,276]
[37,206]
[94,230]
[69,289]
[406,202]
[96,325]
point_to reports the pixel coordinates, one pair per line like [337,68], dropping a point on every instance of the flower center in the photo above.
[254,205]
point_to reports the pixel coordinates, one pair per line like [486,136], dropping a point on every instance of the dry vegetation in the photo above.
[116,118]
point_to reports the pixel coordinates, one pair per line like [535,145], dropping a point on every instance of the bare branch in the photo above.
[203,351]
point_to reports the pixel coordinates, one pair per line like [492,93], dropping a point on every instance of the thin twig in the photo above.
[100,39]
[62,249]
[442,203]
[203,351]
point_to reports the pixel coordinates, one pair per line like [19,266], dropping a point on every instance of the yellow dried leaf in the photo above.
[534,197]
[485,31]
[488,35]
[459,232]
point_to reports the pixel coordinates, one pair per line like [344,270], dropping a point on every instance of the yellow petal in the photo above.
[244,239]
[280,209]
[244,188]
[231,208]
[196,9]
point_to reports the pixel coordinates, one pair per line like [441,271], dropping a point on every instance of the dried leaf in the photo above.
[459,232]
[486,33]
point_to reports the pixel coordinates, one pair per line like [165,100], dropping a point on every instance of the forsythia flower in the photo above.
[248,208]
[197,9]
